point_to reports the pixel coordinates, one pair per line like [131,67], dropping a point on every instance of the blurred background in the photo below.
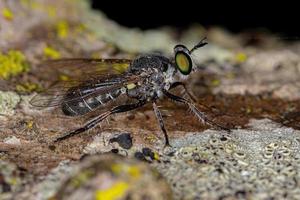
[278,17]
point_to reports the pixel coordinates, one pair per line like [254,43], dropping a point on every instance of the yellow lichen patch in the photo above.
[62,29]
[240,57]
[248,110]
[28,87]
[24,2]
[63,77]
[31,4]
[51,10]
[50,52]
[13,181]
[7,14]
[116,168]
[116,191]
[230,75]
[81,178]
[95,55]
[35,5]
[215,82]
[156,156]
[29,124]
[132,171]
[12,64]
[80,28]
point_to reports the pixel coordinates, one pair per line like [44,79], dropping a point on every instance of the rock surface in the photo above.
[248,82]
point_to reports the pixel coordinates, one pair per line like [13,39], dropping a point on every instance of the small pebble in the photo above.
[148,153]
[124,140]
[115,151]
[140,156]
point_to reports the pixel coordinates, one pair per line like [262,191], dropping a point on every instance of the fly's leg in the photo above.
[191,96]
[98,119]
[86,127]
[200,115]
[176,84]
[161,123]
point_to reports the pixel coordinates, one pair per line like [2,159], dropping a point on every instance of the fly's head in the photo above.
[182,64]
[183,61]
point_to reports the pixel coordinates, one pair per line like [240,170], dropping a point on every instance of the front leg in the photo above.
[200,115]
[176,84]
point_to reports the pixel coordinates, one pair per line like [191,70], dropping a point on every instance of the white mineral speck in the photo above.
[12,140]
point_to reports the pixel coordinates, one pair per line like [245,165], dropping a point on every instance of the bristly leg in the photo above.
[176,84]
[200,115]
[92,123]
[161,123]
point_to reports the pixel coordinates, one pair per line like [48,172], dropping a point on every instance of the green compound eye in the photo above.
[183,62]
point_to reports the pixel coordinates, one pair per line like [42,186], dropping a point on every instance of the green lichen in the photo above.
[12,64]
[8,101]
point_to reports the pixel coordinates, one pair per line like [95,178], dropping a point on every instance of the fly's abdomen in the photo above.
[81,105]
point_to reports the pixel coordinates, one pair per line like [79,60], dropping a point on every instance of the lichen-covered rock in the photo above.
[257,163]
[111,177]
[10,180]
[8,102]
[47,185]
[267,71]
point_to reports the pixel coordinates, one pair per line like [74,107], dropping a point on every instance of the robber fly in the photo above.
[148,78]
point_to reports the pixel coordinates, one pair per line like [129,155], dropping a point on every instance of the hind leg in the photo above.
[93,122]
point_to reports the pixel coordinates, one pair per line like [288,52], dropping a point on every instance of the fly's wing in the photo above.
[78,68]
[94,76]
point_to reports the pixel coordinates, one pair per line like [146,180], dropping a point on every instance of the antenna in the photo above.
[199,45]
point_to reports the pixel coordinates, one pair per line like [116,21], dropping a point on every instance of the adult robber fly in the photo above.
[100,82]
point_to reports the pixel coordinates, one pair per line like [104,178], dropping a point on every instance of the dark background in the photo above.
[281,18]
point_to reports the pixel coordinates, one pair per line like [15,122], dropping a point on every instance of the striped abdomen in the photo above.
[78,102]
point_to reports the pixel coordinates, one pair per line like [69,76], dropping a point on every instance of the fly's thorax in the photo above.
[156,73]
[149,87]
[149,61]
[169,76]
